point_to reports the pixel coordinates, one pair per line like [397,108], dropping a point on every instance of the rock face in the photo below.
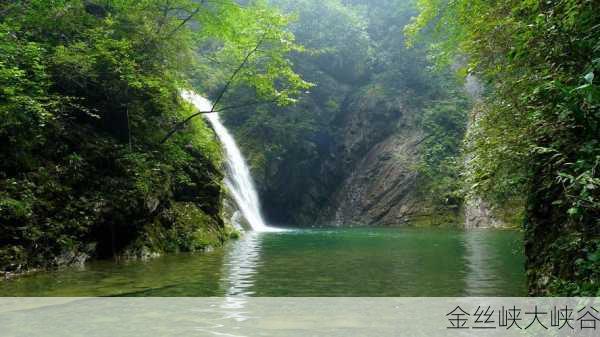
[478,214]
[360,169]
[380,190]
[376,164]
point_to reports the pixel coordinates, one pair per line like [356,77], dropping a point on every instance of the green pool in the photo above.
[319,262]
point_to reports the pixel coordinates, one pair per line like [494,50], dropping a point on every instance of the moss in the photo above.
[193,229]
[563,254]
[511,217]
[233,233]
[81,159]
[447,219]
[183,227]
[90,189]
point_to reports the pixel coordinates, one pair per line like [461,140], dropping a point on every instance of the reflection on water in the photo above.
[486,274]
[238,273]
[239,267]
[375,262]
[481,273]
[329,262]
[219,319]
[341,262]
[275,317]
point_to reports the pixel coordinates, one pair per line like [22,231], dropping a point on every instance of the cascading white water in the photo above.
[238,179]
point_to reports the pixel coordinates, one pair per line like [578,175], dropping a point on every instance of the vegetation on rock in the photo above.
[367,87]
[341,122]
[537,133]
[88,90]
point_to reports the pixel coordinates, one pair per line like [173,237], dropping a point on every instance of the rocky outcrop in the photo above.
[380,190]
[479,214]
[378,150]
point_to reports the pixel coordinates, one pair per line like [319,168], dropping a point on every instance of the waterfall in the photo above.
[238,179]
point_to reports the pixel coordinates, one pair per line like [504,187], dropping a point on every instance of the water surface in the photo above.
[320,262]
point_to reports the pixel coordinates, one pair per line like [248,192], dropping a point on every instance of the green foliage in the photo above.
[88,90]
[182,228]
[254,36]
[444,124]
[25,102]
[335,34]
[537,133]
[581,277]
[362,74]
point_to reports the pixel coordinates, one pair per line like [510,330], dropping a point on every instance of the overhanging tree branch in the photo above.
[237,70]
[184,21]
[244,105]
[181,124]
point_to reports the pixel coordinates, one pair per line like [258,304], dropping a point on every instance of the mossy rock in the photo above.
[445,219]
[183,227]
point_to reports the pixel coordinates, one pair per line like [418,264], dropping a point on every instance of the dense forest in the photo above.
[536,133]
[350,112]
[90,91]
[368,88]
